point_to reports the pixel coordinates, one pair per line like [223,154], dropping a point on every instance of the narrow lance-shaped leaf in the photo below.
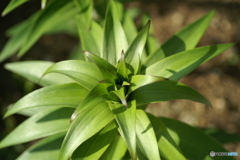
[98,94]
[138,81]
[88,123]
[64,95]
[152,43]
[97,33]
[114,40]
[185,137]
[19,34]
[43,3]
[147,141]
[85,73]
[88,42]
[187,38]
[134,52]
[47,20]
[107,69]
[121,68]
[177,66]
[33,71]
[44,123]
[121,95]
[12,5]
[95,146]
[171,150]
[47,148]
[129,27]
[116,150]
[165,91]
[126,120]
[85,8]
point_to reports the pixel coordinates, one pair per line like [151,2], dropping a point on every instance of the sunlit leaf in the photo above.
[88,42]
[147,141]
[126,120]
[85,8]
[116,150]
[44,123]
[85,73]
[63,95]
[95,146]
[171,150]
[121,95]
[122,69]
[47,148]
[33,71]
[135,50]
[138,81]
[187,38]
[107,69]
[114,40]
[165,91]
[129,27]
[98,94]
[87,123]
[177,66]
[43,3]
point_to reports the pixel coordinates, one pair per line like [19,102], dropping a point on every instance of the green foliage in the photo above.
[92,109]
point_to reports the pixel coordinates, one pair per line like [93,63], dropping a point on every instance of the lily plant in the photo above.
[94,108]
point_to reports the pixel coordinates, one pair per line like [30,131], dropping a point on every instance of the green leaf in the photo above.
[165,91]
[98,94]
[129,27]
[33,71]
[95,146]
[114,40]
[116,150]
[147,141]
[47,148]
[87,124]
[187,38]
[64,95]
[97,33]
[76,54]
[48,20]
[88,41]
[189,137]
[138,81]
[126,120]
[221,136]
[44,123]
[43,3]
[134,52]
[121,95]
[12,5]
[85,73]
[121,68]
[167,146]
[177,66]
[18,36]
[85,8]
[108,70]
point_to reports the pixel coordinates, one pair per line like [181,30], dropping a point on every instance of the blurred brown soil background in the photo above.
[218,80]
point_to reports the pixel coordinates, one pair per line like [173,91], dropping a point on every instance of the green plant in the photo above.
[94,108]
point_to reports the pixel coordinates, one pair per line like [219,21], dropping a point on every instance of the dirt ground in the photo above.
[218,80]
